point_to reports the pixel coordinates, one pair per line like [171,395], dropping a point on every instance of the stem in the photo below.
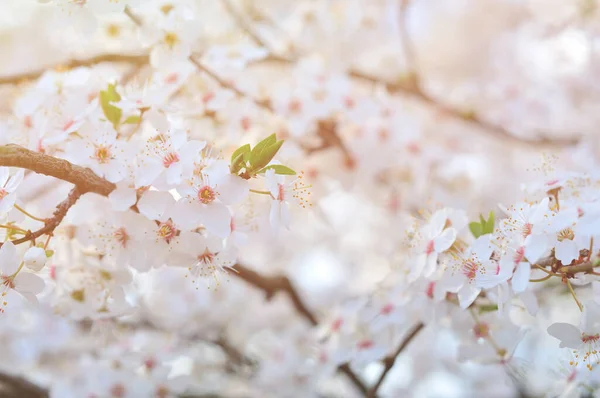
[22,210]
[545,270]
[14,228]
[574,295]
[541,279]
[389,361]
[260,192]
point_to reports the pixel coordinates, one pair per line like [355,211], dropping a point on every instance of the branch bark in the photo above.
[389,361]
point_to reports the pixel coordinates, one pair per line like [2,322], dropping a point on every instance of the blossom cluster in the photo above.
[223,201]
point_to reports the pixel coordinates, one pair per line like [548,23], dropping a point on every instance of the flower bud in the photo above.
[35,258]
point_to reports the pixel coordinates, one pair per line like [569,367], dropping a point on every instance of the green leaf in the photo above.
[482,220]
[262,145]
[244,149]
[488,308]
[237,164]
[279,169]
[133,119]
[489,225]
[112,113]
[476,229]
[49,253]
[263,157]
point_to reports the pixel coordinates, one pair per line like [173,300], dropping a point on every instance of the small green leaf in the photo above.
[244,149]
[489,225]
[112,113]
[488,308]
[133,119]
[476,229]
[262,145]
[481,220]
[279,169]
[262,158]
[237,164]
[49,253]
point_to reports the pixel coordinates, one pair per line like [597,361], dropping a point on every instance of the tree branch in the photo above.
[17,387]
[85,179]
[389,361]
[74,63]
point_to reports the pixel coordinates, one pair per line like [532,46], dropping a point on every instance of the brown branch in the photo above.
[389,361]
[74,63]
[85,179]
[53,222]
[575,269]
[17,387]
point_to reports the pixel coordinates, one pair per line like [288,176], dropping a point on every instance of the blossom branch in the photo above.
[131,59]
[86,181]
[389,361]
[14,386]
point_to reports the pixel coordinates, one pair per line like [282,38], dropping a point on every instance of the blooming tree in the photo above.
[339,198]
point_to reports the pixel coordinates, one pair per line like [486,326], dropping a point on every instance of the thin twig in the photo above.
[389,361]
[574,295]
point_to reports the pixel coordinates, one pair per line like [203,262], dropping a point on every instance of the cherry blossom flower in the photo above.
[8,188]
[26,284]
[283,195]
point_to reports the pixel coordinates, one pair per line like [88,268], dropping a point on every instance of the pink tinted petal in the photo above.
[444,240]
[187,215]
[569,335]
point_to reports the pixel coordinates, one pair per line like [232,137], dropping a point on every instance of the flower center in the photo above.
[8,282]
[519,254]
[430,288]
[470,269]
[121,236]
[206,258]
[170,158]
[429,248]
[118,391]
[527,229]
[206,195]
[102,154]
[481,330]
[364,344]
[586,338]
[280,193]
[167,231]
[387,309]
[171,39]
[3,193]
[566,233]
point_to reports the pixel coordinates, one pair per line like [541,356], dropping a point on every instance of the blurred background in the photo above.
[391,108]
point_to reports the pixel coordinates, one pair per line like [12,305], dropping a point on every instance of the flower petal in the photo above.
[569,335]
[444,240]
[29,283]
[520,279]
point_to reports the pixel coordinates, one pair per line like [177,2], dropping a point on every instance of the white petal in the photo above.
[232,189]
[123,197]
[4,174]
[275,214]
[430,265]
[520,279]
[569,335]
[187,215]
[15,180]
[217,219]
[530,300]
[437,223]
[148,171]
[467,294]
[444,240]
[154,204]
[590,318]
[35,258]
[9,259]
[566,251]
[596,291]
[535,247]
[29,283]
